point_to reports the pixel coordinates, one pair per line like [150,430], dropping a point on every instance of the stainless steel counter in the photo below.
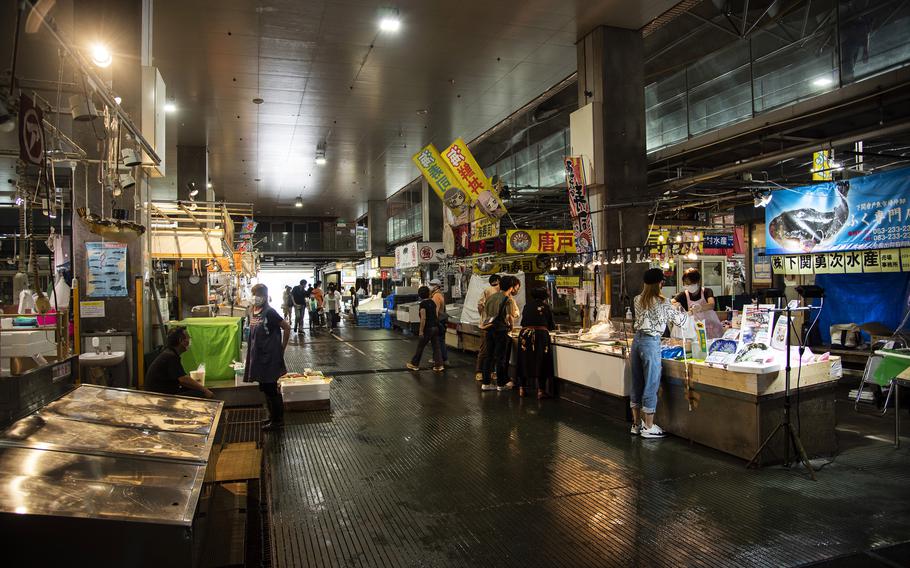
[132,464]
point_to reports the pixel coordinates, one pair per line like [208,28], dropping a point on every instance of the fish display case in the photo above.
[114,477]
[594,373]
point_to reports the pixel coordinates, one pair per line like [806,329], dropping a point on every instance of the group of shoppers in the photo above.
[323,307]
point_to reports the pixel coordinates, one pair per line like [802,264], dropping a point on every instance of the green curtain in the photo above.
[215,342]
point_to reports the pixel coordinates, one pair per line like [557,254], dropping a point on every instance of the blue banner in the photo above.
[869,212]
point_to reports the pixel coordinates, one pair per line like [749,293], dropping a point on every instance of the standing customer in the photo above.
[535,353]
[652,312]
[355,301]
[299,297]
[287,304]
[438,297]
[269,336]
[429,331]
[319,296]
[498,321]
[332,306]
[484,350]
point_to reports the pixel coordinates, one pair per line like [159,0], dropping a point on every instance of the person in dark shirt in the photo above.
[692,290]
[429,331]
[299,295]
[497,322]
[269,335]
[535,352]
[166,374]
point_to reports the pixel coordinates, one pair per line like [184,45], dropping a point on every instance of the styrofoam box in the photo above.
[300,396]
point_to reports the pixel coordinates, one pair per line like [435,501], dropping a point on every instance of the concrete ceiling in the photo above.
[327,75]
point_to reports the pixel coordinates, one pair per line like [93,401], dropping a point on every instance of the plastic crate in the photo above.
[371,321]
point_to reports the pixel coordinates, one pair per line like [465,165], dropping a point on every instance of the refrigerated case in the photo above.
[113,477]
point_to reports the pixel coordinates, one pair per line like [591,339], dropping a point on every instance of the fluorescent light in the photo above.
[169,107]
[298,202]
[823,82]
[118,100]
[208,185]
[320,160]
[194,193]
[101,55]
[837,166]
[390,24]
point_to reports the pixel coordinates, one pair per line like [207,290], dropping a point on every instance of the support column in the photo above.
[611,77]
[377,223]
[431,206]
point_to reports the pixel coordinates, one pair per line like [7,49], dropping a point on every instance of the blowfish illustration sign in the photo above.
[477,185]
[872,212]
[441,179]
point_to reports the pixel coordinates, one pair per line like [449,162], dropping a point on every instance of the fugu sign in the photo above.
[871,212]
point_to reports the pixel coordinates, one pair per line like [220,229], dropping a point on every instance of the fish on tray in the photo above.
[802,230]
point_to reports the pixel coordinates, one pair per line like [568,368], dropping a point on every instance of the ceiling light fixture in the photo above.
[170,106]
[299,201]
[118,100]
[208,185]
[823,82]
[320,154]
[390,21]
[101,55]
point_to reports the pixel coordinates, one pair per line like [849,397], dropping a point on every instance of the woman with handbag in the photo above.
[268,339]
[652,312]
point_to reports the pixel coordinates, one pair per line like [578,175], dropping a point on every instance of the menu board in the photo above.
[106,269]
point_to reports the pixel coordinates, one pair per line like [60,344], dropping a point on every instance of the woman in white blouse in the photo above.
[652,312]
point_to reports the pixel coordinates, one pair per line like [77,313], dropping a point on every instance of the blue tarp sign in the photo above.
[871,212]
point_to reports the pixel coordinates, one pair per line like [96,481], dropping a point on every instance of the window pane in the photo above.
[873,37]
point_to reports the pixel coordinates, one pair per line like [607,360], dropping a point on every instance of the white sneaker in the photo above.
[654,431]
[489,387]
[636,430]
[510,384]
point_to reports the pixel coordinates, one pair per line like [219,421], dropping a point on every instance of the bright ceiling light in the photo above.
[298,202]
[101,55]
[320,158]
[823,82]
[390,23]
[170,107]
[208,185]
[118,100]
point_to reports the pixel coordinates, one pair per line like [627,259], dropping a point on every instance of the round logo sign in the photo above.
[520,241]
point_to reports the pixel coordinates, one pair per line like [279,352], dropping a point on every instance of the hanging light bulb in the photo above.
[661,238]
[692,255]
[696,238]
[679,238]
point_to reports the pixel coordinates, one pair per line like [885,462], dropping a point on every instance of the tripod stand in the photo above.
[785,426]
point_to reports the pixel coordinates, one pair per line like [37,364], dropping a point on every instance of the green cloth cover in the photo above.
[891,367]
[215,342]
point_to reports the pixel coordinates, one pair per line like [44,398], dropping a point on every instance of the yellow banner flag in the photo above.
[441,179]
[478,187]
[535,241]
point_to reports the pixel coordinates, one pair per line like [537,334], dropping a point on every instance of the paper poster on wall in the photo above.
[106,270]
[761,266]
[93,309]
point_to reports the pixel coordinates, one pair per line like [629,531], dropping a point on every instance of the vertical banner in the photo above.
[31,131]
[578,205]
[821,165]
[478,188]
[441,179]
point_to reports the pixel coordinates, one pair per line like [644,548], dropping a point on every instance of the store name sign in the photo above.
[851,262]
[578,205]
[718,241]
[535,241]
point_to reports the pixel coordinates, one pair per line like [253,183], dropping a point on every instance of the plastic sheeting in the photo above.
[863,298]
[476,286]
[215,342]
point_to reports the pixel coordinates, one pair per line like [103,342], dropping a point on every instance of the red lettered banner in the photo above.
[578,205]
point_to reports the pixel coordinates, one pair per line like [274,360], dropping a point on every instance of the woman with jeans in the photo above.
[652,312]
[269,334]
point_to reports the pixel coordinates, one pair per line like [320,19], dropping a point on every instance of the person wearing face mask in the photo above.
[269,334]
[699,302]
[652,312]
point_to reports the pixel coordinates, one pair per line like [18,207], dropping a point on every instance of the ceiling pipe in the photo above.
[767,159]
[100,88]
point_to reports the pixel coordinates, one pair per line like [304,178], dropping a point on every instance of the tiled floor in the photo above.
[422,469]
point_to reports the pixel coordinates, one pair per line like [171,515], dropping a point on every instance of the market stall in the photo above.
[214,344]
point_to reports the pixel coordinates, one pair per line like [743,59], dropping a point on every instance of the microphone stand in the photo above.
[785,426]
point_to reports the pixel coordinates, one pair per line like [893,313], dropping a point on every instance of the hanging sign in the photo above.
[871,212]
[483,227]
[850,262]
[478,188]
[718,241]
[578,205]
[533,241]
[406,256]
[427,253]
[561,281]
[821,165]
[31,131]
[441,179]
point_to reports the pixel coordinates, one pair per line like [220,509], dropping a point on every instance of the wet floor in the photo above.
[422,469]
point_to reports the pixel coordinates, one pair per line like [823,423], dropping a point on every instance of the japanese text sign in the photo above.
[871,212]
[441,179]
[578,205]
[469,175]
[850,262]
[534,241]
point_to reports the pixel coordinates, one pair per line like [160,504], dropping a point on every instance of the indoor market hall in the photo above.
[359,283]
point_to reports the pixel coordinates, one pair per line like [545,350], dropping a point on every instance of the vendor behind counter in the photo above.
[166,374]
